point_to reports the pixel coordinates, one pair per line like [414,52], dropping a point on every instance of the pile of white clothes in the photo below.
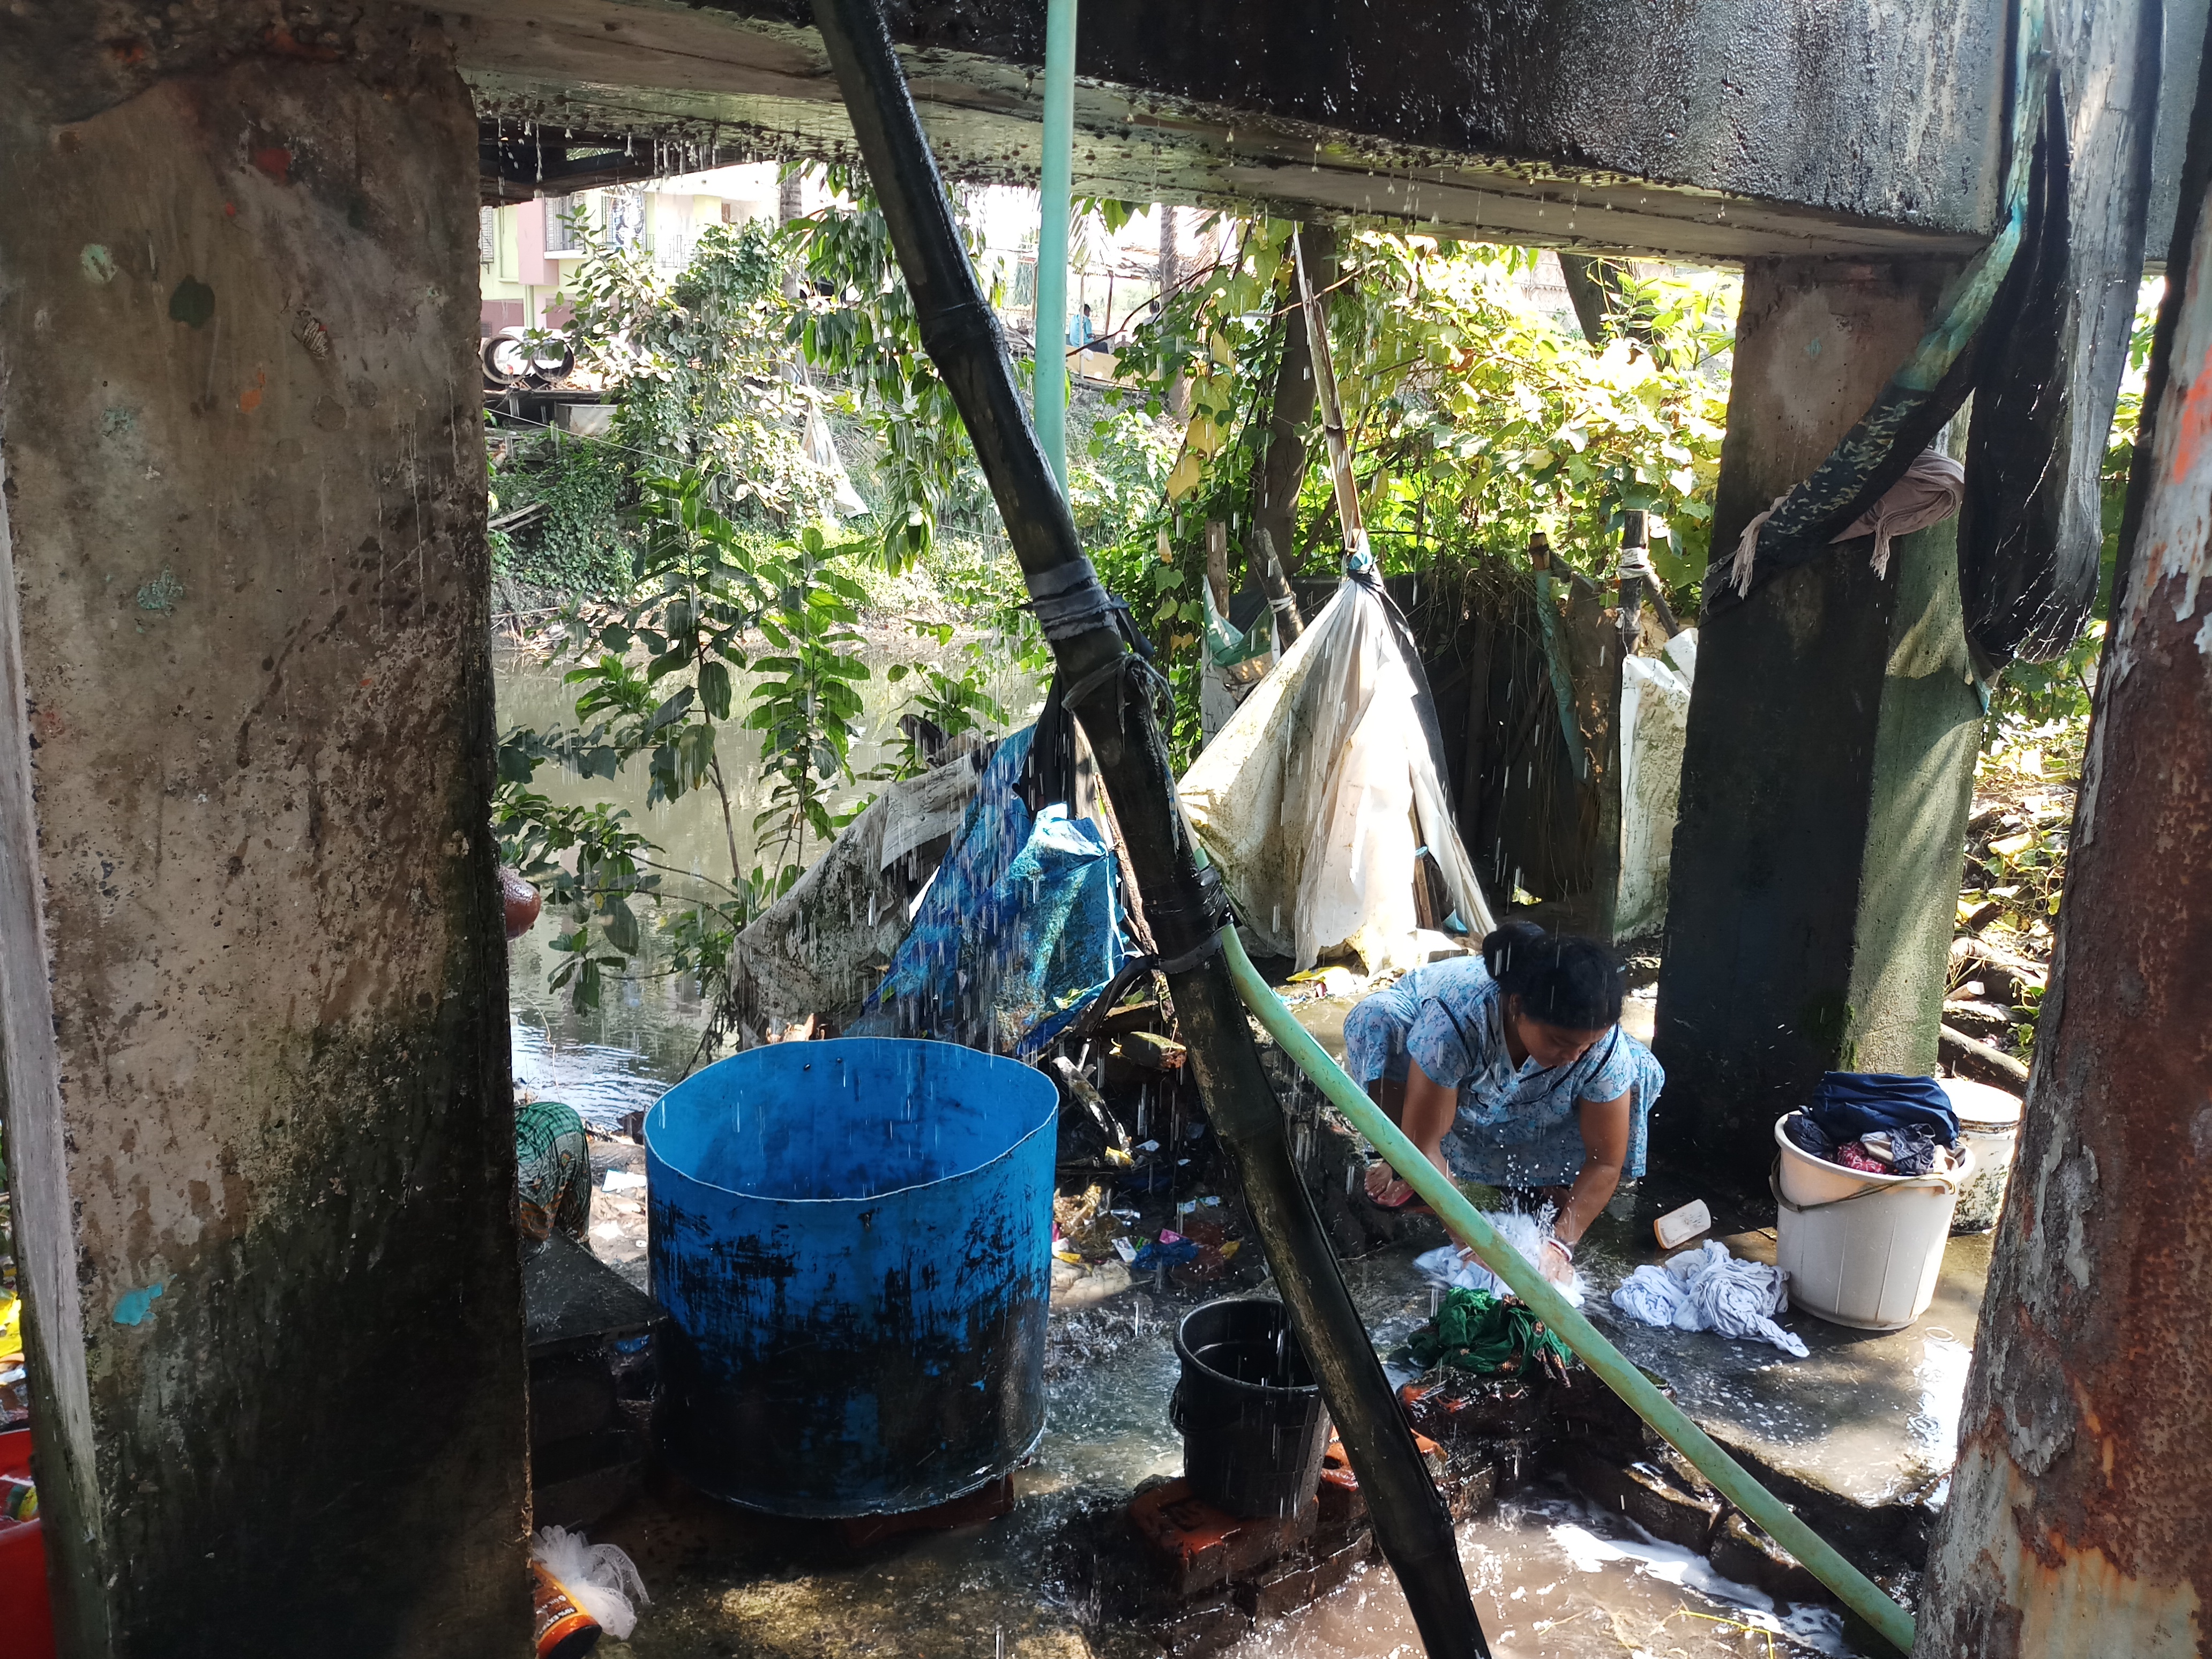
[1452,1268]
[1706,1289]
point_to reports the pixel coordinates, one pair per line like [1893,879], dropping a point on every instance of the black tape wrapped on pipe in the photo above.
[1112,695]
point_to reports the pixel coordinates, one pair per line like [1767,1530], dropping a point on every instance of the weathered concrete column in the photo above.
[252,986]
[2080,1520]
[1829,762]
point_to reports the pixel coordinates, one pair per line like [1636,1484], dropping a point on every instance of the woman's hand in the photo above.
[1556,1262]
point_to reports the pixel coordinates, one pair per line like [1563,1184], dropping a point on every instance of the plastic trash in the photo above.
[596,1581]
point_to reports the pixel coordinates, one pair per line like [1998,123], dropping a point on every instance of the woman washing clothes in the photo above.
[1512,1070]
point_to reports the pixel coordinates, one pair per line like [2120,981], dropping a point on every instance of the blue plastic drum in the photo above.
[854,1242]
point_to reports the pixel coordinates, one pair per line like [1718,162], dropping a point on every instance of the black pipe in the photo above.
[1112,692]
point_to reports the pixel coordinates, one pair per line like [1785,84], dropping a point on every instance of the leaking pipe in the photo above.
[1729,1478]
[1054,186]
[1112,691]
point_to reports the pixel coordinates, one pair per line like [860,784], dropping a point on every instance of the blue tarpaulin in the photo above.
[1020,929]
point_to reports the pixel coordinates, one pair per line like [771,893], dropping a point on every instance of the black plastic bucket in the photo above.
[1253,1425]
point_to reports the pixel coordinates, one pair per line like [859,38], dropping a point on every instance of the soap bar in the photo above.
[1679,1227]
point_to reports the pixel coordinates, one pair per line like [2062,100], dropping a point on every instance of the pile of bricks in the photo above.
[1224,1573]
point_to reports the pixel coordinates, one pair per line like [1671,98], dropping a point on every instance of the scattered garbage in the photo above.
[19,1499]
[1169,1249]
[1709,1290]
[581,1588]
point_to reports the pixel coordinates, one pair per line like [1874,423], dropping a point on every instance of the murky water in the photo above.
[646,1033]
[1552,1575]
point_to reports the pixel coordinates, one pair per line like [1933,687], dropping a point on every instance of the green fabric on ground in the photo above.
[552,1170]
[1474,1331]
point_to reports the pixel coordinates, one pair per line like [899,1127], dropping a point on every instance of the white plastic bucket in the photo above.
[1863,1250]
[1989,1122]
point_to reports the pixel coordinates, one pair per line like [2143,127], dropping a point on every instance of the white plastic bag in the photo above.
[1654,722]
[599,1578]
[1310,800]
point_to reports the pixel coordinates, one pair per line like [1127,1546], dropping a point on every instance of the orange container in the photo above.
[26,1616]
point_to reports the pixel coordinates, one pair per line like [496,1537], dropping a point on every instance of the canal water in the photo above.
[1552,1575]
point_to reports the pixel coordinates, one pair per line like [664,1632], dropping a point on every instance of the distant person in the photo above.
[1081,332]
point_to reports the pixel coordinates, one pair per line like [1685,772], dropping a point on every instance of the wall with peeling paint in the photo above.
[253,1002]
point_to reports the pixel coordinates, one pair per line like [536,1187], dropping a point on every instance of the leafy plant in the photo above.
[577,542]
[657,686]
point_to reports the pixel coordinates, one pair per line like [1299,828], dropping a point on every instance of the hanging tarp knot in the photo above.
[1128,665]
[1928,492]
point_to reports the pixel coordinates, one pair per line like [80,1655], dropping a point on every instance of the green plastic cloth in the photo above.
[1228,645]
[1492,1336]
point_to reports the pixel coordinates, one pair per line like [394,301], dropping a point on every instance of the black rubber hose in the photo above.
[1114,696]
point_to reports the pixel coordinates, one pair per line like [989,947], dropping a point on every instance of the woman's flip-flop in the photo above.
[1396,1195]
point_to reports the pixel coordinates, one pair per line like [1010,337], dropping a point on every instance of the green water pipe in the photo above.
[1056,185]
[1729,1478]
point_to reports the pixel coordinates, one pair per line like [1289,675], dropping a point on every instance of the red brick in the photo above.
[1200,1546]
[1304,1579]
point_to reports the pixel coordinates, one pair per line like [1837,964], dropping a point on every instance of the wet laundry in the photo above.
[1450,1268]
[1489,1335]
[552,1170]
[1905,1151]
[1707,1289]
[1848,1105]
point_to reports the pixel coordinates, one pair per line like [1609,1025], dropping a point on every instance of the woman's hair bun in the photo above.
[1562,979]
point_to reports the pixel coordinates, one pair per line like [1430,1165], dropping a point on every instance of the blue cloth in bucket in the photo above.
[1848,1105]
[1021,929]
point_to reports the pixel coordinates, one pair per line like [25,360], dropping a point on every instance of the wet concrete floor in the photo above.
[1552,1573]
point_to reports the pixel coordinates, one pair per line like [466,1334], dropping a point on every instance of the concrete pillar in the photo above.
[2080,1519]
[1829,762]
[252,988]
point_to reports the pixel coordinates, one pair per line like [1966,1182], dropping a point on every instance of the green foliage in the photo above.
[803,703]
[656,685]
[953,703]
[860,323]
[1472,421]
[577,542]
[700,367]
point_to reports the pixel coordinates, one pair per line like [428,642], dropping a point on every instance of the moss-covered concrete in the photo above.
[1830,753]
[253,1009]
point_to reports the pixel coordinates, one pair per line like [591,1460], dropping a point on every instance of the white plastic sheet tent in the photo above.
[1315,797]
[1655,722]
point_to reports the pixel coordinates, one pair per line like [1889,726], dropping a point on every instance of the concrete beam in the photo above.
[1725,129]
[1830,755]
[253,993]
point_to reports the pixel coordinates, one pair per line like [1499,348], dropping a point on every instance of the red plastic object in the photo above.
[26,1614]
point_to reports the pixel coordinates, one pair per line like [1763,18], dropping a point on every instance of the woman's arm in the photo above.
[1604,1127]
[1430,1110]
